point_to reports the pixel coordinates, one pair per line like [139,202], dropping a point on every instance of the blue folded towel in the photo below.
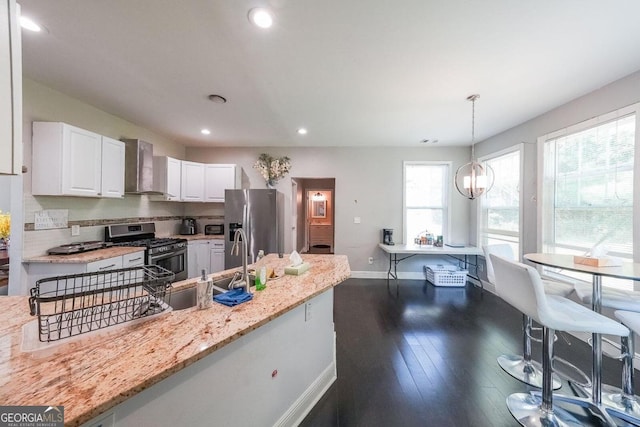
[233,297]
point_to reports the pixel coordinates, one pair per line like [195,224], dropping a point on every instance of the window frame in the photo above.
[479,212]
[575,128]
[446,191]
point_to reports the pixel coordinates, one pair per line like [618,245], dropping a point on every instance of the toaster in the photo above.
[214,229]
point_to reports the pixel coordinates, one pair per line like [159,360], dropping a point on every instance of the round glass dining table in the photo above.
[628,270]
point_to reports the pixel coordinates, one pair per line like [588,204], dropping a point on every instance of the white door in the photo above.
[218,177]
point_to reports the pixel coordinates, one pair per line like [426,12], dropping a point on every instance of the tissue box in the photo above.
[296,270]
[605,261]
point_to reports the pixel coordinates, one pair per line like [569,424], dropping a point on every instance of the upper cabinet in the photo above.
[217,178]
[181,180]
[10,89]
[113,161]
[70,161]
[192,183]
[167,178]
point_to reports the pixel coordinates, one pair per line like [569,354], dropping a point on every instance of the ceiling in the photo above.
[354,73]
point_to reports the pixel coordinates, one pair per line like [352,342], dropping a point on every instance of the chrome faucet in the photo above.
[237,236]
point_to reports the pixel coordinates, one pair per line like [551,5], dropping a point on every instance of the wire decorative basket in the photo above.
[76,304]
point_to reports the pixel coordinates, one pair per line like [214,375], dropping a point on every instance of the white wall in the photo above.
[368,184]
[620,93]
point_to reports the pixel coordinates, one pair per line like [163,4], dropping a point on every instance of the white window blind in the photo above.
[499,215]
[425,199]
[587,188]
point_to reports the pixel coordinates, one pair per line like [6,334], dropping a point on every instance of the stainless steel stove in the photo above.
[168,253]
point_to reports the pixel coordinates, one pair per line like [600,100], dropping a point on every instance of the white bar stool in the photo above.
[521,286]
[523,368]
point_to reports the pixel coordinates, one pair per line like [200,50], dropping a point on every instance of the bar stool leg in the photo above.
[623,403]
[524,368]
[535,411]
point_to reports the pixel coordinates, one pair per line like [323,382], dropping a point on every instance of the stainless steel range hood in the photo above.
[138,171]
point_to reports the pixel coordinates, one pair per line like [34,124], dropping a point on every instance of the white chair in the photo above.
[616,299]
[523,368]
[521,286]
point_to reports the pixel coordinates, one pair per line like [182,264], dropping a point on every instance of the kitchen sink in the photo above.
[186,298]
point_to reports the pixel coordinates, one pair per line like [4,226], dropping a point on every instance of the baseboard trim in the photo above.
[305,403]
[406,275]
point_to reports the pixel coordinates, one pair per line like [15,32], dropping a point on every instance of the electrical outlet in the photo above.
[370,260]
[307,312]
[75,230]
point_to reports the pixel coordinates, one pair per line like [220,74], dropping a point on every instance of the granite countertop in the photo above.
[89,256]
[94,372]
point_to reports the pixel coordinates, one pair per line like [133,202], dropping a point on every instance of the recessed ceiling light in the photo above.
[302,131]
[218,99]
[205,131]
[260,17]
[29,24]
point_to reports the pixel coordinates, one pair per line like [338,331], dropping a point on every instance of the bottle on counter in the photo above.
[204,292]
[260,255]
[261,279]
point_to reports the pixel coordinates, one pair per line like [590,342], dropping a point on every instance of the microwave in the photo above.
[214,229]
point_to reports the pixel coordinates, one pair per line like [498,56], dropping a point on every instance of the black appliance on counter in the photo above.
[188,227]
[168,253]
[387,236]
[214,229]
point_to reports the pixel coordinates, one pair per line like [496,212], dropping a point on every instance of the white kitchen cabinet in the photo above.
[205,254]
[10,89]
[112,184]
[167,173]
[70,161]
[216,255]
[217,178]
[192,182]
[197,257]
[41,270]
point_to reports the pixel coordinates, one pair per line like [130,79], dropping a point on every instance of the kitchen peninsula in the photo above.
[266,361]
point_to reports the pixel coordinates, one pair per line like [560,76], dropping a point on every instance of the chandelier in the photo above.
[473,179]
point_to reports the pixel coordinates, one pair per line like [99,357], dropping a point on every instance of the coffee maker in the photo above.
[387,236]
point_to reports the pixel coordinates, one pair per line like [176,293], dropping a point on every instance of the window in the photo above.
[587,190]
[426,196]
[499,218]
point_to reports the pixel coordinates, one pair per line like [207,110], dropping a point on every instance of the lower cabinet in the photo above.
[42,270]
[205,254]
[272,376]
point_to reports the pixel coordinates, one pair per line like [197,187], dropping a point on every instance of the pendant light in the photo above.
[472,179]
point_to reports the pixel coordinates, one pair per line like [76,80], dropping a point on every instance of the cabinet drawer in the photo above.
[105,264]
[133,260]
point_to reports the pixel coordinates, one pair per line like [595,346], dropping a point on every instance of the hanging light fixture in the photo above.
[472,179]
[318,196]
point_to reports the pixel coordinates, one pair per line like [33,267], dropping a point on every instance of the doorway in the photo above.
[314,215]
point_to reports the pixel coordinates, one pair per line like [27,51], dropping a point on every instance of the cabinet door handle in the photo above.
[135,259]
[107,267]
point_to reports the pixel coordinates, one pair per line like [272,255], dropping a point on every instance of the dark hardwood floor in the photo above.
[427,357]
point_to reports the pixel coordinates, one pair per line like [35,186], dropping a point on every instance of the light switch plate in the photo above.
[356,220]
[75,230]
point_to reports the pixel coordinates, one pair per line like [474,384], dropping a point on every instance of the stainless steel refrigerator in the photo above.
[261,214]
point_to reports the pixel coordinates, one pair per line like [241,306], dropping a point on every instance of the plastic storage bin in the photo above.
[445,275]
